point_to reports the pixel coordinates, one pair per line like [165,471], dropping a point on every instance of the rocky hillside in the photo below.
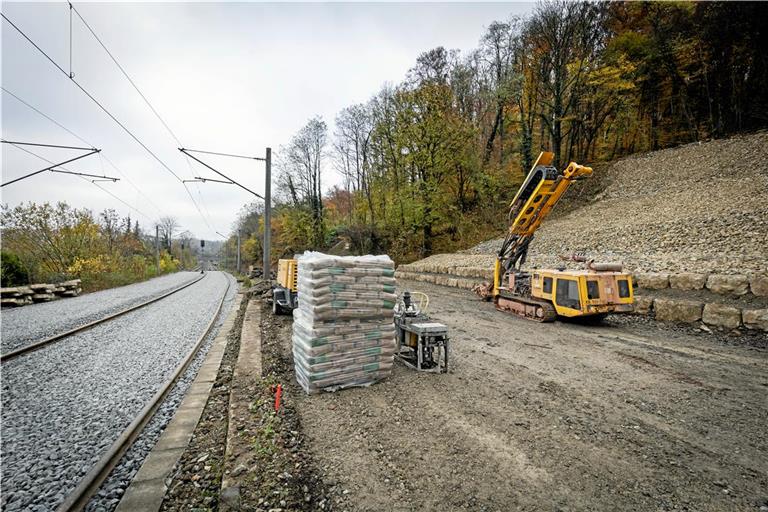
[702,207]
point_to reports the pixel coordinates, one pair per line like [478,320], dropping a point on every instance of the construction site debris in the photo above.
[722,227]
[343,331]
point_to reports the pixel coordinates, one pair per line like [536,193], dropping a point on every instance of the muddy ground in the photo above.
[624,416]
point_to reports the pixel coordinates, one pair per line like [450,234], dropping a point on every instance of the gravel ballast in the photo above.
[22,326]
[64,405]
[112,490]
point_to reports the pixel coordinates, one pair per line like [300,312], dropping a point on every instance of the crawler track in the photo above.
[89,485]
[58,337]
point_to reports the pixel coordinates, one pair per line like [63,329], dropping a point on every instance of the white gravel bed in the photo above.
[114,487]
[21,326]
[64,405]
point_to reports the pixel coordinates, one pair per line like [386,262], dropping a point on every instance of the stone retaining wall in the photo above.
[710,313]
[724,284]
[665,309]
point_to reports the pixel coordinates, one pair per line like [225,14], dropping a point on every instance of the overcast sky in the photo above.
[229,77]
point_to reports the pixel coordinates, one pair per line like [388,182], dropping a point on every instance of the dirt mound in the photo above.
[699,207]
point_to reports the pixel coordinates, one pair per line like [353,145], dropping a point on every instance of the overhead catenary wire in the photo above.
[125,73]
[46,116]
[84,141]
[226,154]
[199,178]
[41,145]
[106,111]
[154,111]
[102,177]
[230,180]
[34,173]
[96,185]
[149,104]
[92,98]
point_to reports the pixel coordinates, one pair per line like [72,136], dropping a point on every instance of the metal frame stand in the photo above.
[432,339]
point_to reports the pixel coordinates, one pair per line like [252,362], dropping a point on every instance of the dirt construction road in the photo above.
[549,417]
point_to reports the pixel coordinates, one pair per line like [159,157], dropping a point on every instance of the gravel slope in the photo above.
[64,405]
[34,322]
[700,207]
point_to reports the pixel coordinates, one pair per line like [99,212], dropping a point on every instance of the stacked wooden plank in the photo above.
[41,292]
[15,296]
[68,288]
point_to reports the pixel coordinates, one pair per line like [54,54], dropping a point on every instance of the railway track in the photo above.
[89,485]
[12,354]
[78,499]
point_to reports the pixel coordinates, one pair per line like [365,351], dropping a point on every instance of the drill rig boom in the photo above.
[539,193]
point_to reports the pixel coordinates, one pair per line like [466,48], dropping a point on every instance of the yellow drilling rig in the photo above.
[542,295]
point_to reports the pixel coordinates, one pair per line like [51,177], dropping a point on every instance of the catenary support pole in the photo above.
[238,251]
[157,249]
[267,213]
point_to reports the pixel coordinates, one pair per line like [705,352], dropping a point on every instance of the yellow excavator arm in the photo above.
[539,193]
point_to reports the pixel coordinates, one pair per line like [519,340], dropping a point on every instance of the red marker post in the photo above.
[278,395]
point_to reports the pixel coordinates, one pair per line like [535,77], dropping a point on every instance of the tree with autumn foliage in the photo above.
[428,164]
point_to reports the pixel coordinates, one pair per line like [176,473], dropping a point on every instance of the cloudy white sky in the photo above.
[230,77]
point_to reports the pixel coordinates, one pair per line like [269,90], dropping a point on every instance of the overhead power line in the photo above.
[84,141]
[125,73]
[229,181]
[94,100]
[94,184]
[151,107]
[34,173]
[104,109]
[225,154]
[203,180]
[57,146]
[48,117]
[99,176]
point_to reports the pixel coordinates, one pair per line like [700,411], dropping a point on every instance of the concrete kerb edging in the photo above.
[675,310]
[247,368]
[147,489]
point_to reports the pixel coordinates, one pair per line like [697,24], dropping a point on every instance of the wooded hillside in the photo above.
[430,164]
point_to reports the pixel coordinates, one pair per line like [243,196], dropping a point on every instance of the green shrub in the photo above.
[14,272]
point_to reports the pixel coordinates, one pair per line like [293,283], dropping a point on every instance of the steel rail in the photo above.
[90,484]
[47,341]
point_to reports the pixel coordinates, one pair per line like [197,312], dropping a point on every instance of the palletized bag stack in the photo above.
[343,330]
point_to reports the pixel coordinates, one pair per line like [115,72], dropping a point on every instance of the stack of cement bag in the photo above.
[343,330]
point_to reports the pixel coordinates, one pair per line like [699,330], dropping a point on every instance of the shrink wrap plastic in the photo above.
[343,330]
